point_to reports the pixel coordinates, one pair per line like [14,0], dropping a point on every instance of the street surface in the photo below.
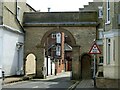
[52,82]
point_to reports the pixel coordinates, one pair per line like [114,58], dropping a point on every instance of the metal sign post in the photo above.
[94,72]
[94,50]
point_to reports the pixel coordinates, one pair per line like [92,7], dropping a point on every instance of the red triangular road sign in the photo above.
[95,49]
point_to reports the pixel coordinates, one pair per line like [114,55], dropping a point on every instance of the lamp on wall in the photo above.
[19,45]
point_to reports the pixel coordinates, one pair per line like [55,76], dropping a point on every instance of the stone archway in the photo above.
[34,42]
[76,50]
[79,26]
[58,29]
[86,66]
[30,67]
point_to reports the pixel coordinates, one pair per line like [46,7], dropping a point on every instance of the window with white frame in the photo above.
[114,50]
[58,37]
[108,50]
[100,11]
[101,60]
[58,50]
[100,33]
[53,35]
[108,11]
[18,12]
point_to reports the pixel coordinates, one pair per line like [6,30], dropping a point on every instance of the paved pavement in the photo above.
[85,84]
[12,79]
[89,85]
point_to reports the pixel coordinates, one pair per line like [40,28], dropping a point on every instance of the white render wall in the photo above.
[49,66]
[9,54]
[112,70]
[0,60]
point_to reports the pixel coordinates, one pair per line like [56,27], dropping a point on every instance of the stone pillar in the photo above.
[40,63]
[76,68]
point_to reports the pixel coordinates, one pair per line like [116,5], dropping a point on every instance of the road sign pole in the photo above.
[94,72]
[94,50]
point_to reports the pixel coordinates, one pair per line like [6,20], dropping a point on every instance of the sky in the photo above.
[58,5]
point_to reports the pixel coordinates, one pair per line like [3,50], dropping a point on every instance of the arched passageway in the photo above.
[30,64]
[86,66]
[67,48]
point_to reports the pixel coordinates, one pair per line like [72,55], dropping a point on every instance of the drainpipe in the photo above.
[49,9]
[18,20]
[18,50]
[19,46]
[19,24]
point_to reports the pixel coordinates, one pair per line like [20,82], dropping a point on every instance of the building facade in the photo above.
[111,39]
[55,51]
[78,26]
[98,7]
[12,36]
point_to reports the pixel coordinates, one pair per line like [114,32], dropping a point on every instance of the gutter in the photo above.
[31,7]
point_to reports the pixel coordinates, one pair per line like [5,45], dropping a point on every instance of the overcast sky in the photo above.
[58,5]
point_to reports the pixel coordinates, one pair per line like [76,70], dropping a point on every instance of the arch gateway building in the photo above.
[80,27]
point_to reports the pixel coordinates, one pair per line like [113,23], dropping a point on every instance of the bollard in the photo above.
[3,75]
[0,78]
[55,72]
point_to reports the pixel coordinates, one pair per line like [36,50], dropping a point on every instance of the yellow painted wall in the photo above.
[9,13]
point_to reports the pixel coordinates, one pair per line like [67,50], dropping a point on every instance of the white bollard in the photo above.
[0,78]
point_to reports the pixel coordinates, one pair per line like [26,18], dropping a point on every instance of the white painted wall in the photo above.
[0,58]
[1,52]
[49,66]
[0,78]
[53,68]
[9,55]
[112,70]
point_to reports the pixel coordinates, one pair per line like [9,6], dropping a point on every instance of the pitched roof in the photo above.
[67,47]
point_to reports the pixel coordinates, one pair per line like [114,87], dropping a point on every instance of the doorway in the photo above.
[30,64]
[86,66]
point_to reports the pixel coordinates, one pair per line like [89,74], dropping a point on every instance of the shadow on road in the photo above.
[54,82]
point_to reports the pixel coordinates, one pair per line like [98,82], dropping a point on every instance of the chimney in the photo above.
[49,9]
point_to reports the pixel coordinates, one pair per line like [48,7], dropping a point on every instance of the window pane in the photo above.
[58,38]
[101,59]
[108,15]
[108,53]
[18,12]
[100,34]
[58,50]
[108,11]
[108,4]
[100,12]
